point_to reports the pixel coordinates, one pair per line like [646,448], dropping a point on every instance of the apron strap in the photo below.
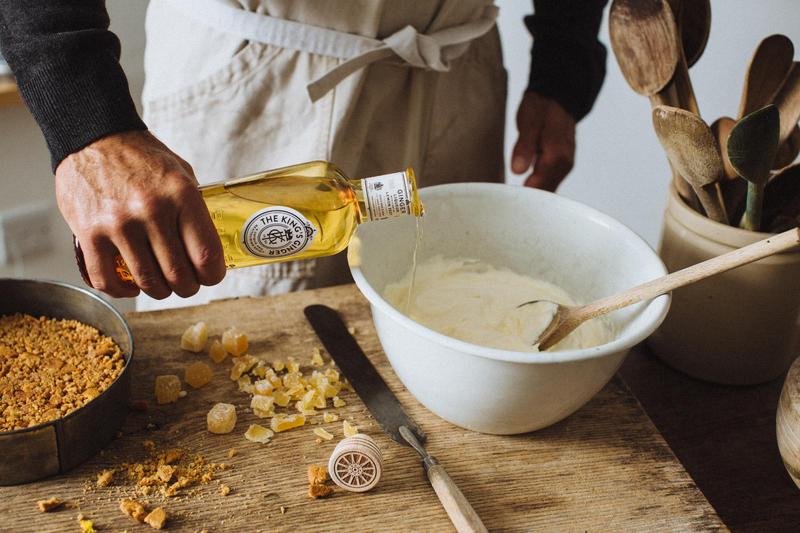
[432,51]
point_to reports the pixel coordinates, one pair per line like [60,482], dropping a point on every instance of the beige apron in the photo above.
[371,85]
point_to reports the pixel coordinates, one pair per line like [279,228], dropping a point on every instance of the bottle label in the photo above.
[387,196]
[277,232]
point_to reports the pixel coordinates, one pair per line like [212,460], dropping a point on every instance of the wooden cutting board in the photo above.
[605,468]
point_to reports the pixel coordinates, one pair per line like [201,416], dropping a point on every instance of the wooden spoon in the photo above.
[567,318]
[787,420]
[693,152]
[752,145]
[788,101]
[768,68]
[644,38]
[721,128]
[694,24]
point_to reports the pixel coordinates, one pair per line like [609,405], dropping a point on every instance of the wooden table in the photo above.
[605,468]
[725,438]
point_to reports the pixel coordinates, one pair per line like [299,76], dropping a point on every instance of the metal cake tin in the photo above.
[57,446]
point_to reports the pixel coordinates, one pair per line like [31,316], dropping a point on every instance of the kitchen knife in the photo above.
[388,412]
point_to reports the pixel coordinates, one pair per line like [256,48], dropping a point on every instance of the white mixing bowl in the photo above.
[531,232]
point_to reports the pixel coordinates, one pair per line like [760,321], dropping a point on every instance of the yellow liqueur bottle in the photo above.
[297,212]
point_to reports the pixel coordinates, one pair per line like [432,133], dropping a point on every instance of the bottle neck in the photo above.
[388,196]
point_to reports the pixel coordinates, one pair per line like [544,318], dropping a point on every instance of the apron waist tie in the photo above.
[432,51]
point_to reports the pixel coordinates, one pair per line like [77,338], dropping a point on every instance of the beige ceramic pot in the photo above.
[740,327]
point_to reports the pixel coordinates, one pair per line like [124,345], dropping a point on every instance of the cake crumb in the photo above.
[224,489]
[133,509]
[50,504]
[104,478]
[232,453]
[157,518]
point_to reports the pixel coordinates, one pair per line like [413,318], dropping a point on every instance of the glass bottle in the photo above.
[297,212]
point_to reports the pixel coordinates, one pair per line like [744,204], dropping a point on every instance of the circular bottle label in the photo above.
[277,232]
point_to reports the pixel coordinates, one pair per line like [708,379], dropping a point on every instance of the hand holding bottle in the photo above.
[128,195]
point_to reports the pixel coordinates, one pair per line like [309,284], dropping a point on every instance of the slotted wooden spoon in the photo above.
[567,318]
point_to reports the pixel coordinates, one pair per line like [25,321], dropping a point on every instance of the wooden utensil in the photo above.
[645,42]
[788,151]
[782,199]
[721,128]
[567,318]
[788,101]
[787,422]
[752,145]
[692,150]
[768,68]
[644,38]
[694,24]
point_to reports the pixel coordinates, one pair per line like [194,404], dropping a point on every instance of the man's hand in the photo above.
[128,194]
[546,142]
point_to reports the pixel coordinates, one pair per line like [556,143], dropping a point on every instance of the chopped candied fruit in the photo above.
[285,422]
[217,352]
[281,398]
[221,418]
[330,417]
[349,429]
[133,509]
[316,358]
[338,402]
[234,342]
[194,338]
[262,405]
[168,389]
[319,432]
[157,518]
[258,433]
[198,374]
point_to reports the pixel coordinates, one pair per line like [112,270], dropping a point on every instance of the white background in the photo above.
[620,167]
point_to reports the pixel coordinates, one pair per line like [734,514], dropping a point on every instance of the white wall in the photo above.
[620,168]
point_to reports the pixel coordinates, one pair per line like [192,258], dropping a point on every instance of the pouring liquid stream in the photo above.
[414,262]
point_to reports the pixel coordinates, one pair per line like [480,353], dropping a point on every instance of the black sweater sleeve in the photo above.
[67,67]
[568,63]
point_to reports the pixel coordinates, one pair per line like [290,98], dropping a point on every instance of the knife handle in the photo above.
[461,513]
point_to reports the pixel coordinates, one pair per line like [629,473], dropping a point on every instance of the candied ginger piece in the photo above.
[245,384]
[278,365]
[330,417]
[194,338]
[320,432]
[349,429]
[257,433]
[221,418]
[234,341]
[263,387]
[332,375]
[133,509]
[281,398]
[284,422]
[338,402]
[157,518]
[316,358]
[292,365]
[198,374]
[217,352]
[308,400]
[262,404]
[241,366]
[168,389]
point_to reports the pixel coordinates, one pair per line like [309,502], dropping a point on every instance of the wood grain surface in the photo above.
[605,468]
[725,437]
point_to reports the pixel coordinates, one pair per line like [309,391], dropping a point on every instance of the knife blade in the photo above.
[388,412]
[361,374]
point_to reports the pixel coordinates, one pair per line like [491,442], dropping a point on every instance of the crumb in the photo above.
[182,394]
[316,491]
[317,474]
[140,406]
[156,518]
[224,489]
[172,455]
[283,509]
[87,526]
[50,504]
[165,472]
[104,478]
[231,453]
[133,509]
